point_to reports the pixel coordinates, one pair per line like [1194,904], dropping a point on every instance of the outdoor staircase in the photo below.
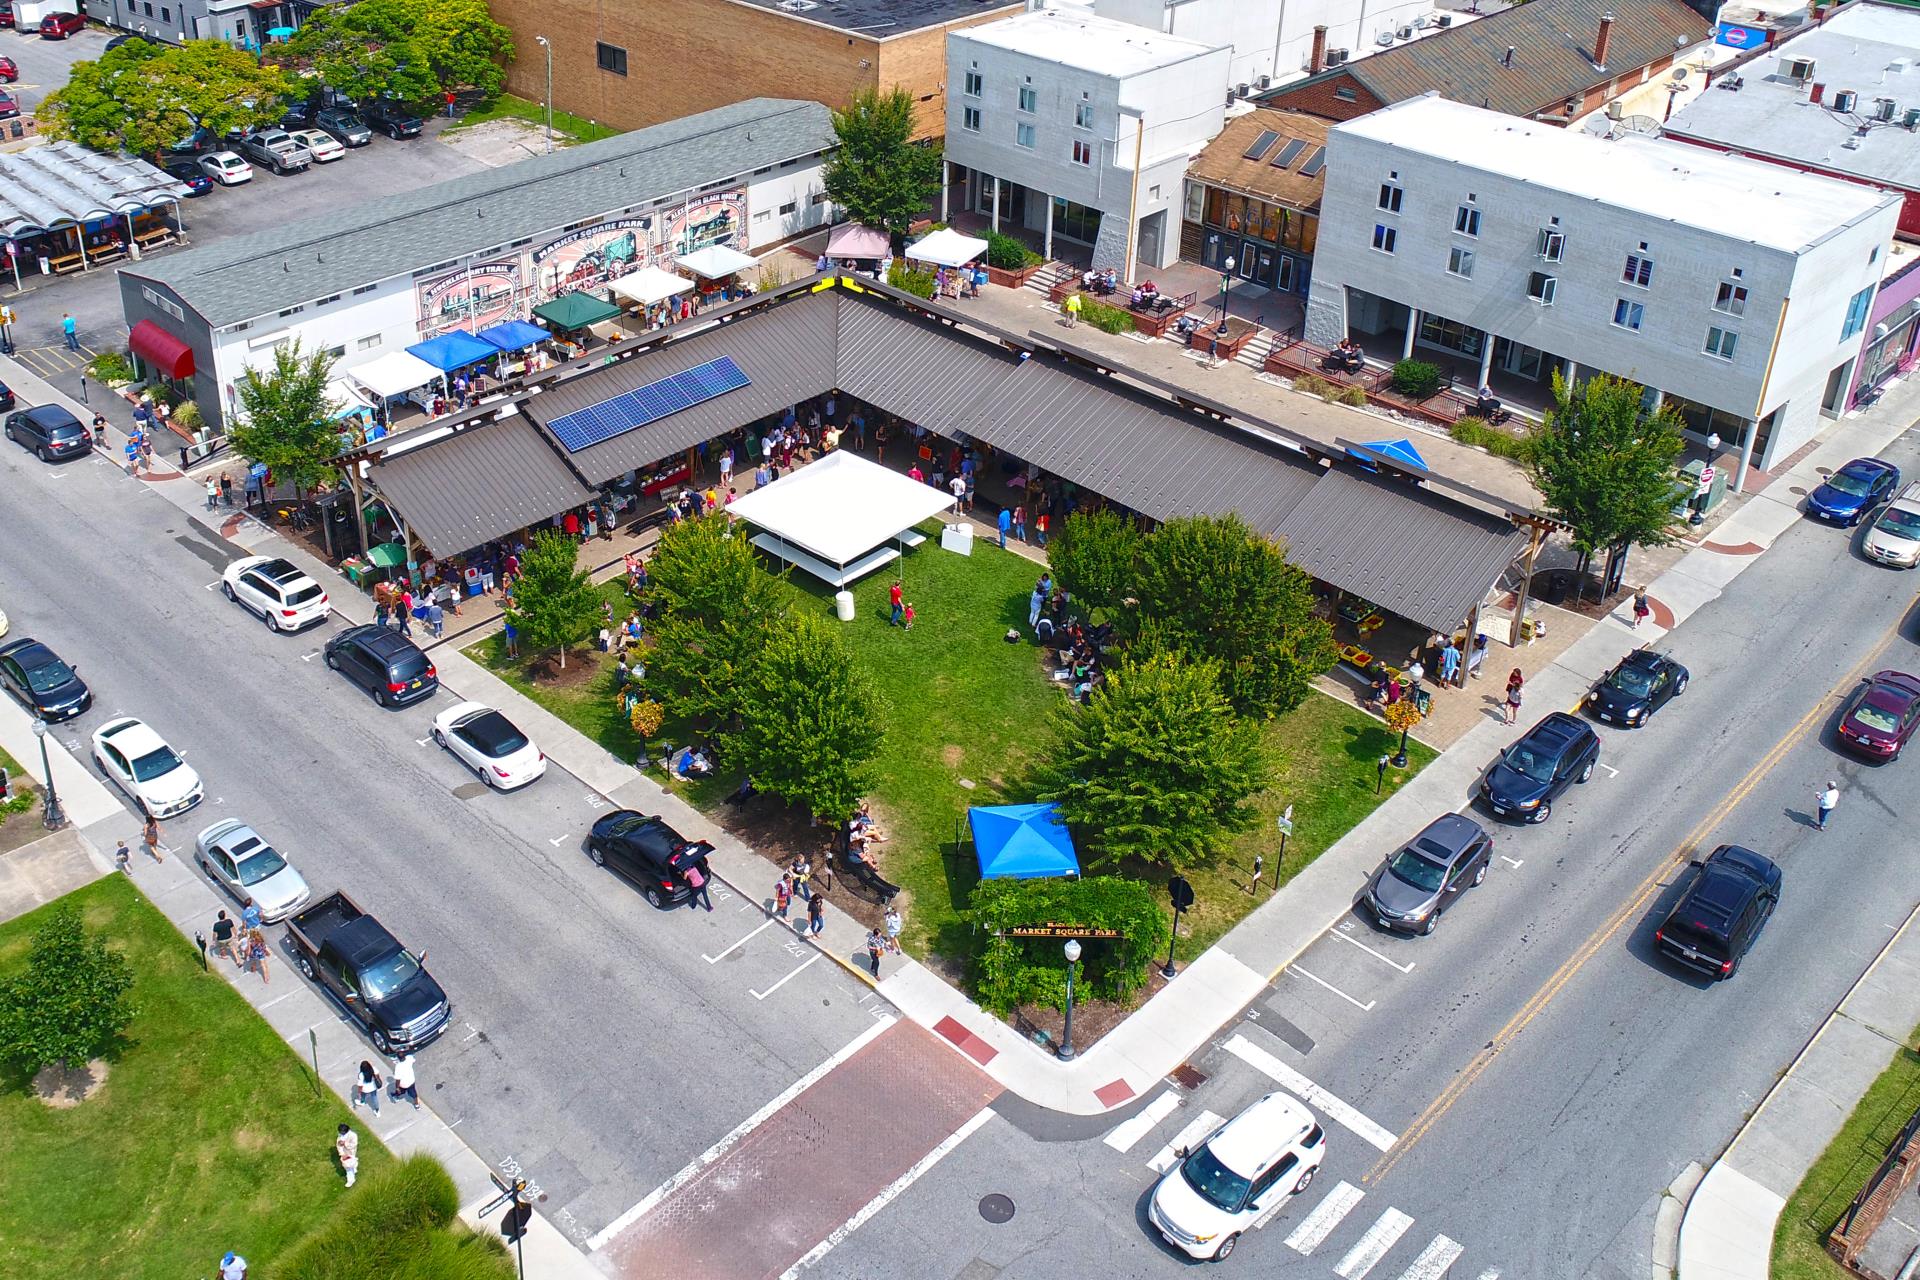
[1043,281]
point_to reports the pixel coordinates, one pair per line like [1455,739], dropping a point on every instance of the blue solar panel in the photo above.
[596,424]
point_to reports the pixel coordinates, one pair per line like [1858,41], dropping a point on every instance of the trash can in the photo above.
[843,605]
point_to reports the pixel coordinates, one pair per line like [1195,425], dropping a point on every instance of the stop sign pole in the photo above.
[1182,893]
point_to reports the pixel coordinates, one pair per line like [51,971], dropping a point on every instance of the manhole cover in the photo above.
[996,1208]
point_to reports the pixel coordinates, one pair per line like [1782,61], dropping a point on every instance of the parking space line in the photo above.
[1371,1247]
[739,1131]
[736,946]
[1611,773]
[1404,968]
[762,995]
[1434,1260]
[1197,1128]
[1328,1214]
[1341,1113]
[1137,1126]
[1364,1008]
[1513,862]
[1491,1273]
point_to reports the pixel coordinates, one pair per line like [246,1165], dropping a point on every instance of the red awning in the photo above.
[172,357]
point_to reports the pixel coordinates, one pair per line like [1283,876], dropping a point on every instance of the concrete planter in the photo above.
[1014,279]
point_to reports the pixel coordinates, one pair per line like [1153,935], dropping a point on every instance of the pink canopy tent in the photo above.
[856,240]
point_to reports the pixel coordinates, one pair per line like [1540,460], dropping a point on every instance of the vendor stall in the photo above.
[651,290]
[453,352]
[840,518]
[396,376]
[946,248]
[858,245]
[718,268]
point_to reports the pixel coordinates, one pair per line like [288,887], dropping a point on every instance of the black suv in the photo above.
[49,431]
[1550,757]
[391,118]
[648,852]
[1717,919]
[1415,886]
[45,685]
[384,663]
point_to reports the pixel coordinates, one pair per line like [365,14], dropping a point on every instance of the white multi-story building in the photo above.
[1077,127]
[1733,289]
[1272,40]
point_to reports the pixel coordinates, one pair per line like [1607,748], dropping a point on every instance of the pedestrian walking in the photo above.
[436,620]
[802,873]
[876,946]
[256,945]
[1040,528]
[782,895]
[893,923]
[226,489]
[726,467]
[906,616]
[816,915]
[893,603]
[1006,526]
[70,330]
[1449,663]
[1514,686]
[1641,608]
[346,1149]
[405,1082]
[151,834]
[697,894]
[1020,522]
[1826,799]
[1477,656]
[223,931]
[213,493]
[123,858]
[233,1266]
[250,917]
[1073,310]
[366,1088]
[99,429]
[512,635]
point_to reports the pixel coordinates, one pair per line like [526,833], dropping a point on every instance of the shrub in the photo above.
[1416,379]
[399,1222]
[187,415]
[111,367]
[1105,317]
[1477,431]
[1011,971]
[1008,253]
[1312,385]
[909,279]
[1348,395]
[69,1003]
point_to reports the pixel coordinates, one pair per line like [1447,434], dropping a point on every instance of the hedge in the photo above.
[1008,253]
[914,280]
[397,1224]
[1478,431]
[1416,379]
[1105,317]
[1010,971]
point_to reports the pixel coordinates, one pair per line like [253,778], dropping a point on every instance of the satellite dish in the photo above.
[1679,74]
[1639,124]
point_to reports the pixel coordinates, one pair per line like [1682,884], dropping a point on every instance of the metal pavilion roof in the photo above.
[61,184]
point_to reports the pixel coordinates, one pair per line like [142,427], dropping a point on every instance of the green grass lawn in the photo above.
[207,1135]
[1842,1169]
[966,710]
[22,794]
[570,127]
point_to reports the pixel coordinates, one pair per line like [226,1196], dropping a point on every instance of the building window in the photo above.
[1460,263]
[1857,313]
[294,311]
[610,57]
[1082,152]
[761,215]
[1390,197]
[1023,134]
[166,14]
[1628,315]
[1346,93]
[1639,271]
[1721,343]
[1552,245]
[973,84]
[818,197]
[336,352]
[789,207]
[330,298]
[1542,288]
[1466,220]
[365,288]
[1384,237]
[1731,298]
[1029,99]
[1196,197]
[970,119]
[1083,115]
[167,305]
[369,342]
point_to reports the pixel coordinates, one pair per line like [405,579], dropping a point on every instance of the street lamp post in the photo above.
[1226,283]
[54,818]
[544,44]
[1181,891]
[1066,1035]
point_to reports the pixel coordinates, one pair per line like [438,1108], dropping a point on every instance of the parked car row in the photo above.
[307,135]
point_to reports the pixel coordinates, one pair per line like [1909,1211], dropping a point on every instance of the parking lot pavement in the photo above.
[44,63]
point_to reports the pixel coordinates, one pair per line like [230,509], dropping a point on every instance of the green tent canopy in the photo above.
[575,311]
[388,555]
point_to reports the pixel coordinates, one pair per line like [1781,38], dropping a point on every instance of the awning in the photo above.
[455,349]
[716,262]
[857,240]
[513,335]
[393,374]
[345,399]
[576,311]
[387,555]
[650,285]
[482,482]
[946,248]
[172,357]
[840,507]
[1400,451]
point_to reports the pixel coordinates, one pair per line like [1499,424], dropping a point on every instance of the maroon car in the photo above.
[1881,716]
[8,71]
[58,26]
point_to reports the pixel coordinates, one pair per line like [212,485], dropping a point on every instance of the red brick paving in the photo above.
[1115,1093]
[965,1041]
[812,1165]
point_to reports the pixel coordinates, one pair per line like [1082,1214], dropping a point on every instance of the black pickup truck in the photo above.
[379,983]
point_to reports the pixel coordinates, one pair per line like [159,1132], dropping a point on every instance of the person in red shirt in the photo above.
[571,524]
[893,600]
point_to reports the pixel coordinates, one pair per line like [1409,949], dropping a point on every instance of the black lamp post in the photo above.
[1226,283]
[1182,893]
[1066,1035]
[1400,756]
[54,818]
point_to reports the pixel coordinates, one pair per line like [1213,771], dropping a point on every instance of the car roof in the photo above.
[1252,1140]
[1895,688]
[1446,836]
[29,653]
[1869,466]
[134,737]
[1557,732]
[52,415]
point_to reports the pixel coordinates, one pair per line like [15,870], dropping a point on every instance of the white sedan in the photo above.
[324,147]
[487,743]
[239,861]
[226,168]
[140,763]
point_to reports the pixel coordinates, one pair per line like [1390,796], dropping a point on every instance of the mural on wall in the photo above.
[470,298]
[720,219]
[586,260]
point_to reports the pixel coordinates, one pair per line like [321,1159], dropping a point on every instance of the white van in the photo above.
[1243,1172]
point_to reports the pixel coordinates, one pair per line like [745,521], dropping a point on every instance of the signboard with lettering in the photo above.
[1054,929]
[1739,36]
[471,298]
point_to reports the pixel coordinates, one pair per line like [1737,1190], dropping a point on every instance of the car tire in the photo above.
[654,899]
[1587,773]
[594,855]
[1433,922]
[1480,876]
[1540,815]
[9,432]
[41,453]
[1306,1180]
[305,965]
[382,697]
[1680,686]
[267,618]
[1226,1248]
[381,1042]
[441,739]
[333,663]
[226,589]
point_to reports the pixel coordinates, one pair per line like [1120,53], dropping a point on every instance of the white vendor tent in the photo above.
[835,517]
[716,262]
[650,285]
[393,375]
[946,248]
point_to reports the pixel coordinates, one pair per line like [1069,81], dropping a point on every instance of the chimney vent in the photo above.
[1819,92]
[1506,59]
[1318,62]
[1601,41]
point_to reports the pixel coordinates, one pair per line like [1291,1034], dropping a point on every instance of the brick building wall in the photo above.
[1321,99]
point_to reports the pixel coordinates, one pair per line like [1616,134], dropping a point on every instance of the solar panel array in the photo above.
[598,423]
[1289,153]
[1260,144]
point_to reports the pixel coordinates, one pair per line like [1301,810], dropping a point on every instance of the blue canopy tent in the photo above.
[513,335]
[1400,451]
[1022,842]
[454,349]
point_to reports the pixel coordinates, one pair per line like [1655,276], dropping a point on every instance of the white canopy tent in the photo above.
[716,262]
[946,248]
[393,375]
[835,517]
[650,285]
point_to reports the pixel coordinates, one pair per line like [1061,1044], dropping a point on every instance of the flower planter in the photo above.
[1014,279]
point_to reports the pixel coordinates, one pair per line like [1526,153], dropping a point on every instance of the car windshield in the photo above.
[387,977]
[305,594]
[49,676]
[261,864]
[1417,870]
[1876,718]
[1529,763]
[348,122]
[1847,482]
[155,764]
[1213,1181]
[1904,523]
[1635,682]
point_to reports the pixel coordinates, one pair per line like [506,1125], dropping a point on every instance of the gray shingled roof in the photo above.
[242,277]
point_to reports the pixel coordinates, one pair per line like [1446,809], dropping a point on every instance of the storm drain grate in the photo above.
[996,1208]
[1188,1076]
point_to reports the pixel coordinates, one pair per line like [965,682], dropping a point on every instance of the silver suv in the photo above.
[275,149]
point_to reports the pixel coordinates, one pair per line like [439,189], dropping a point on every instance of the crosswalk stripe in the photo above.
[1434,1260]
[1375,1135]
[1326,1215]
[1381,1236]
[1130,1131]
[1197,1128]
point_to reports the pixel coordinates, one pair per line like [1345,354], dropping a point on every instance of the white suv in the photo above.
[280,592]
[1240,1175]
[140,763]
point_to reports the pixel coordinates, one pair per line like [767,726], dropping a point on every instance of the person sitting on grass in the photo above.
[693,763]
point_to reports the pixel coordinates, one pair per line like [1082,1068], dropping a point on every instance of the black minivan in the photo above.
[1716,921]
[384,663]
[50,432]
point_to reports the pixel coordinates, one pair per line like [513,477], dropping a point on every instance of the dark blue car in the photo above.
[1853,490]
[188,175]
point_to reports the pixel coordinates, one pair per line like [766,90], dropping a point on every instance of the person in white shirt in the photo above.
[404,1081]
[346,1146]
[233,1267]
[1826,800]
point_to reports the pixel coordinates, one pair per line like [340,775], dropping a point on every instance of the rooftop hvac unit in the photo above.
[1443,20]
[1338,57]
[1404,33]
[1799,70]
[1232,97]
[1852,143]
[1885,108]
[1242,90]
[1845,101]
[1912,119]
[1384,39]
[1265,82]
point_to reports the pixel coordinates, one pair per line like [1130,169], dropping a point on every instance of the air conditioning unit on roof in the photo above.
[1338,57]
[1384,39]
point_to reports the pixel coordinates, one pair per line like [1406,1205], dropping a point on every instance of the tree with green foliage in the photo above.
[1010,971]
[69,1004]
[408,50]
[286,416]
[1095,557]
[1156,766]
[1606,466]
[809,725]
[715,607]
[554,601]
[1211,587]
[878,174]
[143,97]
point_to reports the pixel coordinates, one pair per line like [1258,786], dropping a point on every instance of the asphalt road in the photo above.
[1535,1074]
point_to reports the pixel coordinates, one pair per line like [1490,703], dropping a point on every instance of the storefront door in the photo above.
[1519,359]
